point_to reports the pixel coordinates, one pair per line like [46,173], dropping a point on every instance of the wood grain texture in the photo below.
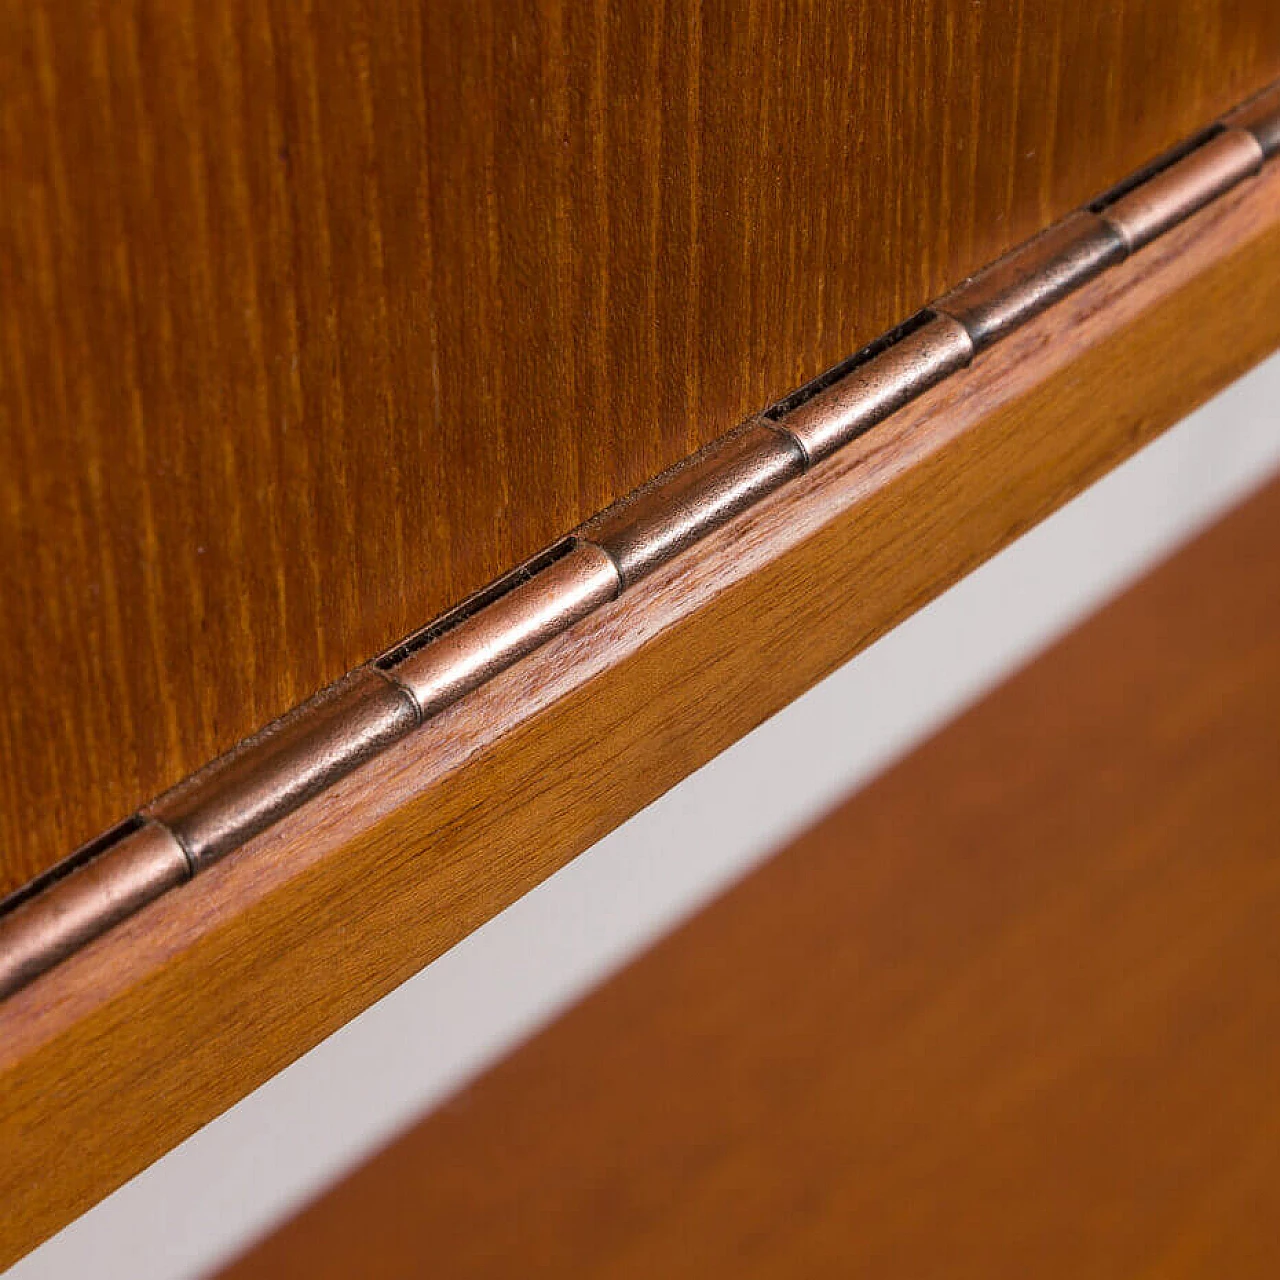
[130,1045]
[1027,1028]
[313,318]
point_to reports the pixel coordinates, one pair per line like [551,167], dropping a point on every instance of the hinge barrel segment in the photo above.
[267,776]
[1175,193]
[873,389]
[256,783]
[112,886]
[683,504]
[1032,277]
[512,626]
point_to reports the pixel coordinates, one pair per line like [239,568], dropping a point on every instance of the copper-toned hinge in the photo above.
[219,808]
[1261,116]
[876,382]
[1175,193]
[1023,283]
[685,503]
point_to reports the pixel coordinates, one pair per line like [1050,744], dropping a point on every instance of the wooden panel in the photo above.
[1027,1028]
[315,317]
[138,1039]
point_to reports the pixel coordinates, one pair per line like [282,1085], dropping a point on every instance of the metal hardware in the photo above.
[65,866]
[288,762]
[1177,192]
[516,623]
[115,884]
[487,595]
[1023,283]
[878,385]
[687,501]
[1261,116]
[272,773]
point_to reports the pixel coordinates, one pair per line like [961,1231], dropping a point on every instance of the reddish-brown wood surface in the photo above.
[313,317]
[137,1039]
[1010,1011]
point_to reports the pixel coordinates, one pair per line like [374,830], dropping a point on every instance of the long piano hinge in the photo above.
[267,776]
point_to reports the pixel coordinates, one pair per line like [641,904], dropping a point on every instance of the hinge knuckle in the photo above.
[120,880]
[1023,283]
[1175,193]
[686,502]
[515,623]
[877,386]
[242,792]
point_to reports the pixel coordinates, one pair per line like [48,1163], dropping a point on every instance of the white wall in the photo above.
[274,1150]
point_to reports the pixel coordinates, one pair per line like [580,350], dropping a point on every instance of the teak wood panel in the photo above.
[314,317]
[132,1043]
[1026,1026]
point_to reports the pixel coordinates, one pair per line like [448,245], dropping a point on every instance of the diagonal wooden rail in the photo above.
[1029,1027]
[148,1033]
[292,760]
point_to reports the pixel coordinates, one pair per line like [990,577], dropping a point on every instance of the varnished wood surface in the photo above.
[1011,1011]
[315,317]
[133,1043]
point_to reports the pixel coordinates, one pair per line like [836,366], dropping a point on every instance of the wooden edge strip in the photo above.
[144,1035]
[924,1038]
[264,778]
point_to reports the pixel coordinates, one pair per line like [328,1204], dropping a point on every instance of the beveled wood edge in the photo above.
[1064,908]
[146,1034]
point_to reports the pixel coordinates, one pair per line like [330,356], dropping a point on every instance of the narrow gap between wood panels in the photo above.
[1157,166]
[878,346]
[72,862]
[473,604]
